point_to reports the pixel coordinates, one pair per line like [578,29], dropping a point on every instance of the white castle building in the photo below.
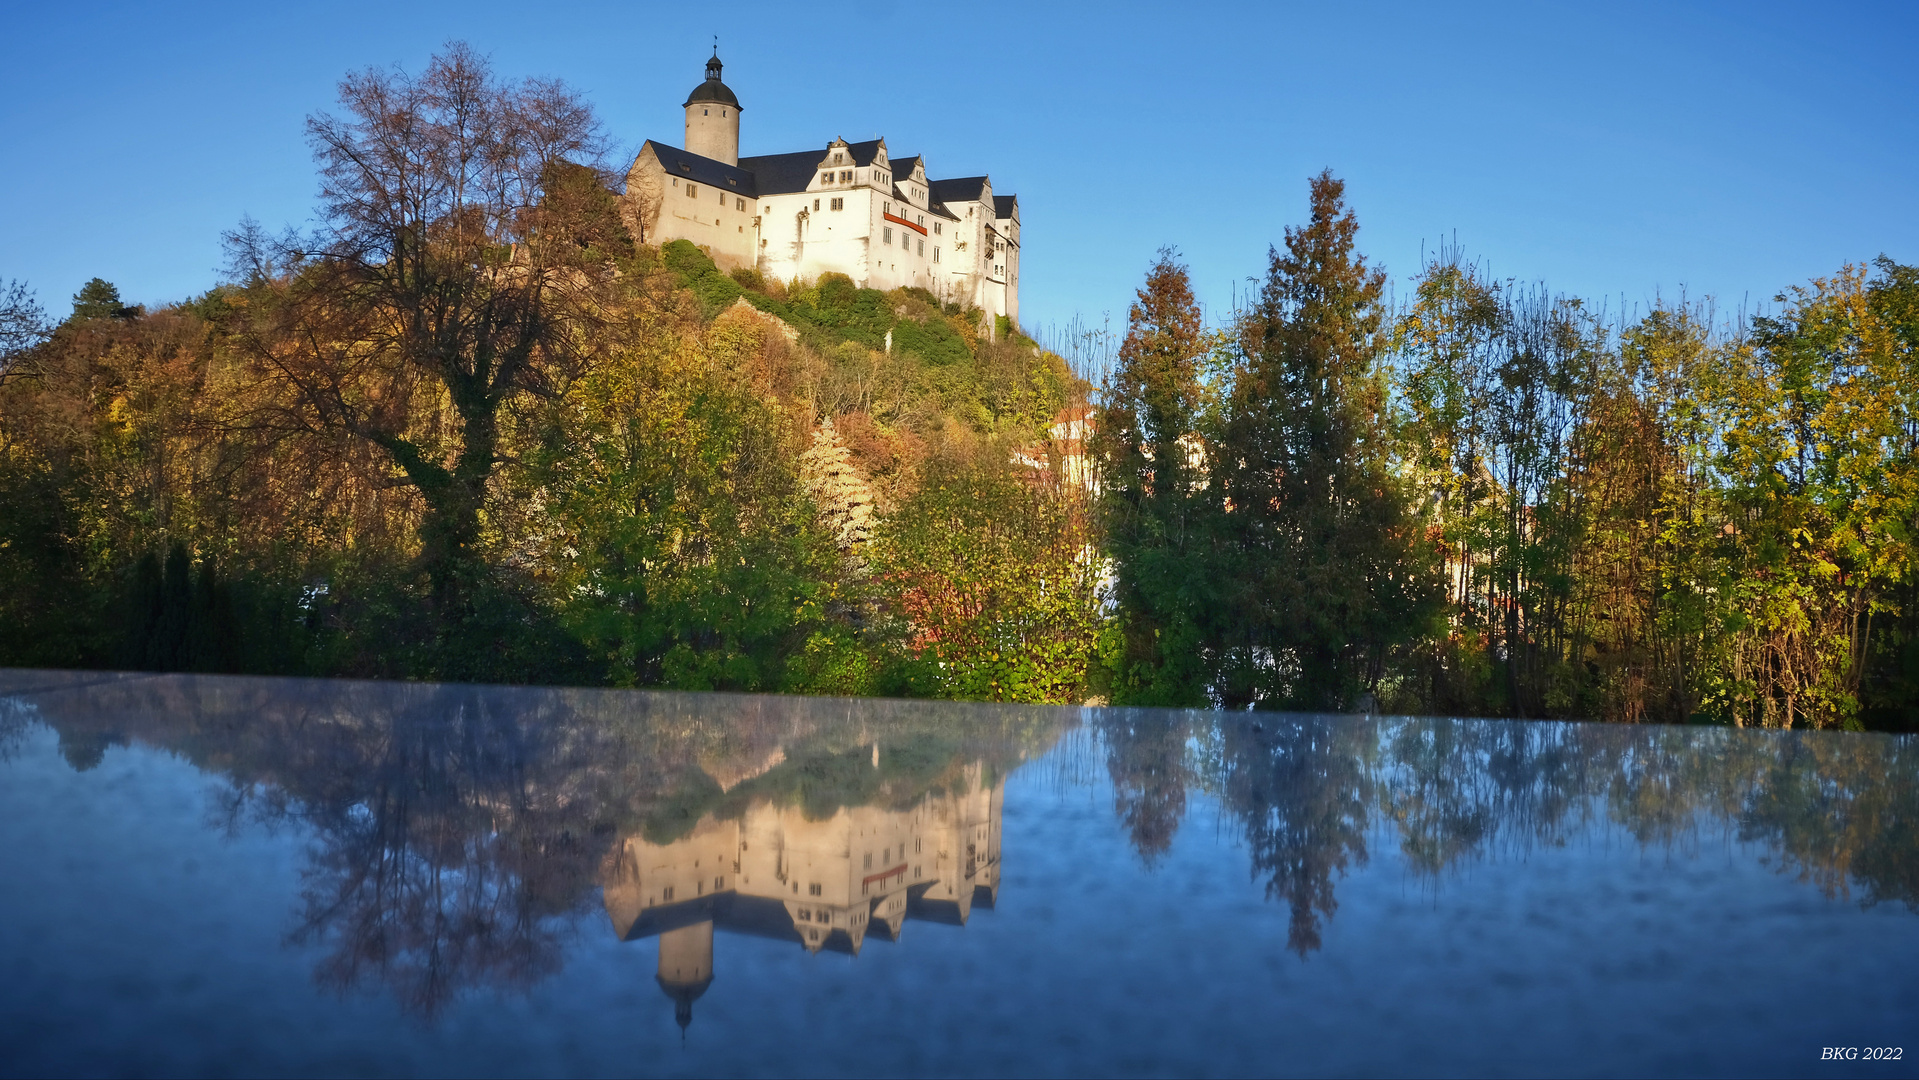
[851,208]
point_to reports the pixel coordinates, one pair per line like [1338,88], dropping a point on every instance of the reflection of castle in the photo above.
[824,884]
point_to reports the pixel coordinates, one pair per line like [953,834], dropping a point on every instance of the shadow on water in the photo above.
[456,831]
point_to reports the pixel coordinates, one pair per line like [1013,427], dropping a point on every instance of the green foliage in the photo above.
[691,559]
[1325,578]
[997,578]
[97,299]
[1156,519]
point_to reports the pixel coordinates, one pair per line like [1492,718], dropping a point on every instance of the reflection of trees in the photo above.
[455,827]
[1302,788]
[450,840]
[1840,810]
[1146,757]
[1843,812]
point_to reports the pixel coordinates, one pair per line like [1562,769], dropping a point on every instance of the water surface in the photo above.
[281,877]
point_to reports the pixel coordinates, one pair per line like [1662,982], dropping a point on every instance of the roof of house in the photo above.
[704,170]
[1004,205]
[963,189]
[783,174]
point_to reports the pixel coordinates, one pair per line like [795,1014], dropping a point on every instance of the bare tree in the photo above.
[466,235]
[22,325]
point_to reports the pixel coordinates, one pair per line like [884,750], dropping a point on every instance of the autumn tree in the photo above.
[466,239]
[23,323]
[1325,568]
[1152,470]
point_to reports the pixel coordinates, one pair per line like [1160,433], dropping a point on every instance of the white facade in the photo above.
[851,208]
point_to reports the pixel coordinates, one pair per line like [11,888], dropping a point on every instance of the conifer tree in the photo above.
[1145,438]
[1321,557]
[97,299]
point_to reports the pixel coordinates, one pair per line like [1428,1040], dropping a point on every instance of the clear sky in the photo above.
[1615,151]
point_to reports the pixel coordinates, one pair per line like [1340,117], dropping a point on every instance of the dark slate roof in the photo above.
[712,90]
[904,166]
[864,152]
[1003,205]
[781,174]
[964,189]
[704,170]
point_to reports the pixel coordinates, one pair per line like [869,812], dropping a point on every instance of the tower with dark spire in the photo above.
[686,967]
[713,117]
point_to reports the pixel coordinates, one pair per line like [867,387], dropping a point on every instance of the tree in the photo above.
[467,239]
[98,299]
[1145,439]
[23,324]
[1325,567]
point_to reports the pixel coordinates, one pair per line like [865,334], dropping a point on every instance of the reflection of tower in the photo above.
[686,967]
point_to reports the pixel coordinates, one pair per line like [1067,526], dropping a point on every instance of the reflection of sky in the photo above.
[139,937]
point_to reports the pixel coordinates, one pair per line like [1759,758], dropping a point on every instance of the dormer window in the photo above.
[839,159]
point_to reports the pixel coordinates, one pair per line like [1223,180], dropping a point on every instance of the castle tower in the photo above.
[686,967]
[713,118]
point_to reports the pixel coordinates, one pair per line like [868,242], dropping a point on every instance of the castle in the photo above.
[825,884]
[851,208]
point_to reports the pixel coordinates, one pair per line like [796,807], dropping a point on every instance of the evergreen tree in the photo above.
[97,299]
[1145,441]
[1322,558]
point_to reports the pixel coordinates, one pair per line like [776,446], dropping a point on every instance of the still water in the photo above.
[277,877]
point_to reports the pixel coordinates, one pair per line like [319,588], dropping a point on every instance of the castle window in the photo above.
[846,176]
[869,861]
[722,112]
[839,204]
[666,894]
[888,236]
[922,247]
[739,204]
[838,158]
[692,189]
[826,178]
[936,254]
[816,204]
[704,112]
[936,228]
[813,889]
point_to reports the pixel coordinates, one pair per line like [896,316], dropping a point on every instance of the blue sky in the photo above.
[1616,152]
